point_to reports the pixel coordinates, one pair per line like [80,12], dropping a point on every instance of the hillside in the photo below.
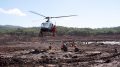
[9,27]
[61,30]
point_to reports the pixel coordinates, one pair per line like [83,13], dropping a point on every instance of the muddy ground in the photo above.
[35,52]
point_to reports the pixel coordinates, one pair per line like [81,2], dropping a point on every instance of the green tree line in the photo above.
[34,31]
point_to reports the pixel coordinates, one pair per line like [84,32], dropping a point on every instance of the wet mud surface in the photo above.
[38,54]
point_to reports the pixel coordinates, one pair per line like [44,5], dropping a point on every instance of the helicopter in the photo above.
[48,26]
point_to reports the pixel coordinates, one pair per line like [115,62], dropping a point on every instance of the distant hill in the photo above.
[62,30]
[9,27]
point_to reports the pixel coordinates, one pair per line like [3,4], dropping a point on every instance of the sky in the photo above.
[90,13]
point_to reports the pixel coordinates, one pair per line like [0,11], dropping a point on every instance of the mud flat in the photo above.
[36,54]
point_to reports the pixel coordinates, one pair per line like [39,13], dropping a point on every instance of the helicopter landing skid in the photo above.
[46,34]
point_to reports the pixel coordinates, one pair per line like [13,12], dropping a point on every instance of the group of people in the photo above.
[64,47]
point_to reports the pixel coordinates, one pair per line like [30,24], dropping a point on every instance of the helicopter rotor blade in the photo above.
[37,13]
[63,16]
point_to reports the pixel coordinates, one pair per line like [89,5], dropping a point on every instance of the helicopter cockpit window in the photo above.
[46,25]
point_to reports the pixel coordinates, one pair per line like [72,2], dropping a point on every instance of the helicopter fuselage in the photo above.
[47,27]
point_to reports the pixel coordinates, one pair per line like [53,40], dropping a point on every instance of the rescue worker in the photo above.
[53,30]
[76,48]
[50,46]
[64,47]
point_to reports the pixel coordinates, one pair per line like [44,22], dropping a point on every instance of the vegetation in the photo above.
[33,31]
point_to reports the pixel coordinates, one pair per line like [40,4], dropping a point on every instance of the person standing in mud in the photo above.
[73,44]
[50,47]
[76,48]
[115,49]
[64,47]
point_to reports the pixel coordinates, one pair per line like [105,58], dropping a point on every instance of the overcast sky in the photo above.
[91,13]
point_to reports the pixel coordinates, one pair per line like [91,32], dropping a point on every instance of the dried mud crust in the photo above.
[33,52]
[37,54]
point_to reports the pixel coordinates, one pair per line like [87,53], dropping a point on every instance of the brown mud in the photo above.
[34,51]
